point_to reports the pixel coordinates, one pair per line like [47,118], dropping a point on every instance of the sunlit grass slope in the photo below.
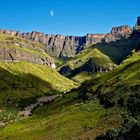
[21,80]
[102,103]
[98,57]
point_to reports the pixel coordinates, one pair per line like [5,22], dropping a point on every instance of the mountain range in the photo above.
[56,87]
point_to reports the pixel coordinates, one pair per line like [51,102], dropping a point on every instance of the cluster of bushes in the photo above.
[129,130]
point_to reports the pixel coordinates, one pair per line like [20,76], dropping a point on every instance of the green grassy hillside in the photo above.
[22,80]
[12,42]
[26,47]
[65,118]
[117,51]
[98,57]
[110,100]
[119,85]
[87,61]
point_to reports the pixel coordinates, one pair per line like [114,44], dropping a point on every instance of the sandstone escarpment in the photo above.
[69,46]
[89,66]
[118,33]
[55,45]
[137,26]
[59,45]
[14,49]
[92,39]
[15,55]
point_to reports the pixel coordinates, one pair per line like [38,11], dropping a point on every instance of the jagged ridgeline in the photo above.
[116,45]
[119,39]
[69,46]
[104,55]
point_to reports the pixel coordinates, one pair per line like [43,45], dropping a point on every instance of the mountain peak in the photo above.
[138,21]
[137,26]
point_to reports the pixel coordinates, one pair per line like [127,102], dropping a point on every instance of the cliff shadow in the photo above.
[120,49]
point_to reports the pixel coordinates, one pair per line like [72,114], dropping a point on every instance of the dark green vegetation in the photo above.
[65,118]
[120,87]
[118,50]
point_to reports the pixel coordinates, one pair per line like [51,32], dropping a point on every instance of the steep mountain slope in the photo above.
[22,80]
[103,56]
[18,49]
[90,60]
[65,118]
[106,101]
[119,85]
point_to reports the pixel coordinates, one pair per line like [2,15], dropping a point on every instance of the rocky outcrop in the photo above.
[59,45]
[69,46]
[15,55]
[118,33]
[92,39]
[137,26]
[55,45]
[89,66]
[15,49]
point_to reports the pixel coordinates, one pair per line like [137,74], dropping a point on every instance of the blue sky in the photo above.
[67,17]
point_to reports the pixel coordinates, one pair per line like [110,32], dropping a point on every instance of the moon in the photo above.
[51,13]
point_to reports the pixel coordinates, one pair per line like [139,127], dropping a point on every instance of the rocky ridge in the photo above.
[69,46]
[118,33]
[65,46]
[137,26]
[14,49]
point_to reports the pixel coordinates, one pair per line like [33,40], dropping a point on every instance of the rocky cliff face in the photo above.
[69,46]
[89,66]
[118,33]
[137,26]
[92,39]
[55,45]
[14,49]
[59,45]
[15,55]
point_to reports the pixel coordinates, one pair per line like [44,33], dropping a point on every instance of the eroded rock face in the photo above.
[92,39]
[89,66]
[118,33]
[59,45]
[69,46]
[56,45]
[137,26]
[15,55]
[138,21]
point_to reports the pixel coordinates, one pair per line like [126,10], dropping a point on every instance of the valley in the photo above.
[56,87]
